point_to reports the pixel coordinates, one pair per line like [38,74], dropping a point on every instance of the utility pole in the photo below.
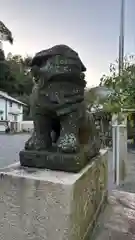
[121,37]
[119,131]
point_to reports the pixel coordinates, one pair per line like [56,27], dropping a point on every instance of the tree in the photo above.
[7,82]
[15,77]
[123,96]
[19,70]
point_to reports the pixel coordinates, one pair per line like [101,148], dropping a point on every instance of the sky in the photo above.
[91,27]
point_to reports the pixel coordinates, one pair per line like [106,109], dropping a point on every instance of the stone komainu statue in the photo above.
[61,123]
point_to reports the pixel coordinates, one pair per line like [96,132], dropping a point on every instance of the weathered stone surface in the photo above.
[118,219]
[58,108]
[122,151]
[55,160]
[119,152]
[48,205]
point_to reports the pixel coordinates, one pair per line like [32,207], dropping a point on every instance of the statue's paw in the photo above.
[36,144]
[68,143]
[40,145]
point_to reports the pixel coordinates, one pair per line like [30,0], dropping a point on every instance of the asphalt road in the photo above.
[10,145]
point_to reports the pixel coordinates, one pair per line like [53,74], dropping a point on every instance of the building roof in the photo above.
[6,96]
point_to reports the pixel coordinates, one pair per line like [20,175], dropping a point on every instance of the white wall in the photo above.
[11,110]
[27,126]
[2,108]
[14,109]
[20,117]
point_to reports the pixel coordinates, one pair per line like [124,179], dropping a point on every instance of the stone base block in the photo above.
[56,160]
[40,204]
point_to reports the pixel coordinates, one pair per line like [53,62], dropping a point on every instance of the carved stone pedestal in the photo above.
[54,160]
[43,204]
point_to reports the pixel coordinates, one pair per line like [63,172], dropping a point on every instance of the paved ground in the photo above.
[118,219]
[10,145]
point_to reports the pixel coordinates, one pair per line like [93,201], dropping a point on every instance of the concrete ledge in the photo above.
[50,205]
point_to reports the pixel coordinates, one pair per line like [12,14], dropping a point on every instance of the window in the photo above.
[1,115]
[10,104]
[1,112]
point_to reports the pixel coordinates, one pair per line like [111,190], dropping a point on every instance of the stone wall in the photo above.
[51,205]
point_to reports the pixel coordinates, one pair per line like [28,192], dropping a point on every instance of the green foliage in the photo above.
[16,79]
[20,72]
[123,86]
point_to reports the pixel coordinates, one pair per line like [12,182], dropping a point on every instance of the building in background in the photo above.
[11,111]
